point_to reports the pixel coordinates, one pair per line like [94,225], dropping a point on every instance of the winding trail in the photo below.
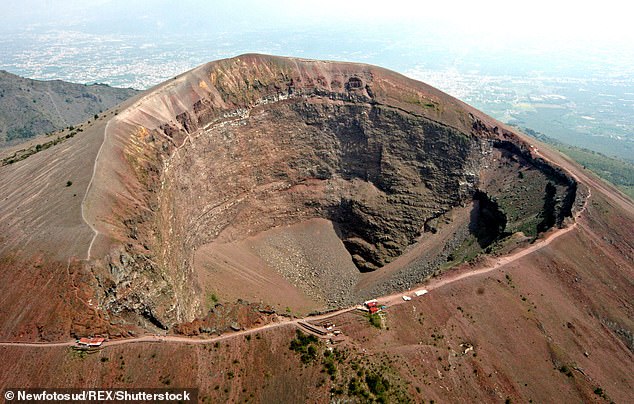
[92,178]
[189,340]
[391,300]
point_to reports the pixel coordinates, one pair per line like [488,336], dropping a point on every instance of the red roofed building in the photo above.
[91,341]
[373,309]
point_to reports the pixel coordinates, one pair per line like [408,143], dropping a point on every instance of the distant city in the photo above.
[588,104]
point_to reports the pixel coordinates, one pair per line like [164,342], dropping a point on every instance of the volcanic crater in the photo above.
[215,160]
[303,185]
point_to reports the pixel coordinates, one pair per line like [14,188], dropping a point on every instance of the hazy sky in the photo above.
[498,21]
[493,36]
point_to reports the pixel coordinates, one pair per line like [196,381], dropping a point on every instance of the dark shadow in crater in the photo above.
[488,221]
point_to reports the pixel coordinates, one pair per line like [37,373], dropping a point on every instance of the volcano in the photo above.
[249,176]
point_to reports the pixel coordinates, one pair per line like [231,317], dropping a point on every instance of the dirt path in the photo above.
[50,96]
[83,202]
[189,340]
[39,344]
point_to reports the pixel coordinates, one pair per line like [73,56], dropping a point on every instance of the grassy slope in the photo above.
[30,107]
[618,172]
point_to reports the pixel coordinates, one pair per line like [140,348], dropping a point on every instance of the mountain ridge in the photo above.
[33,107]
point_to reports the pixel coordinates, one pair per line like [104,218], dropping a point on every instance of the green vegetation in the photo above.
[25,153]
[306,346]
[616,171]
[416,100]
[467,251]
[372,384]
[565,370]
[20,133]
[377,384]
[78,353]
[363,379]
[375,320]
[69,183]
[329,363]
[356,388]
[212,299]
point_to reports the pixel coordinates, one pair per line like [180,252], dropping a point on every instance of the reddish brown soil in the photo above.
[143,230]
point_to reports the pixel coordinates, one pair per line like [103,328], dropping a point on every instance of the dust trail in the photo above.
[56,108]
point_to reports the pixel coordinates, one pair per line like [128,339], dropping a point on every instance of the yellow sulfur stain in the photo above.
[141,132]
[136,146]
